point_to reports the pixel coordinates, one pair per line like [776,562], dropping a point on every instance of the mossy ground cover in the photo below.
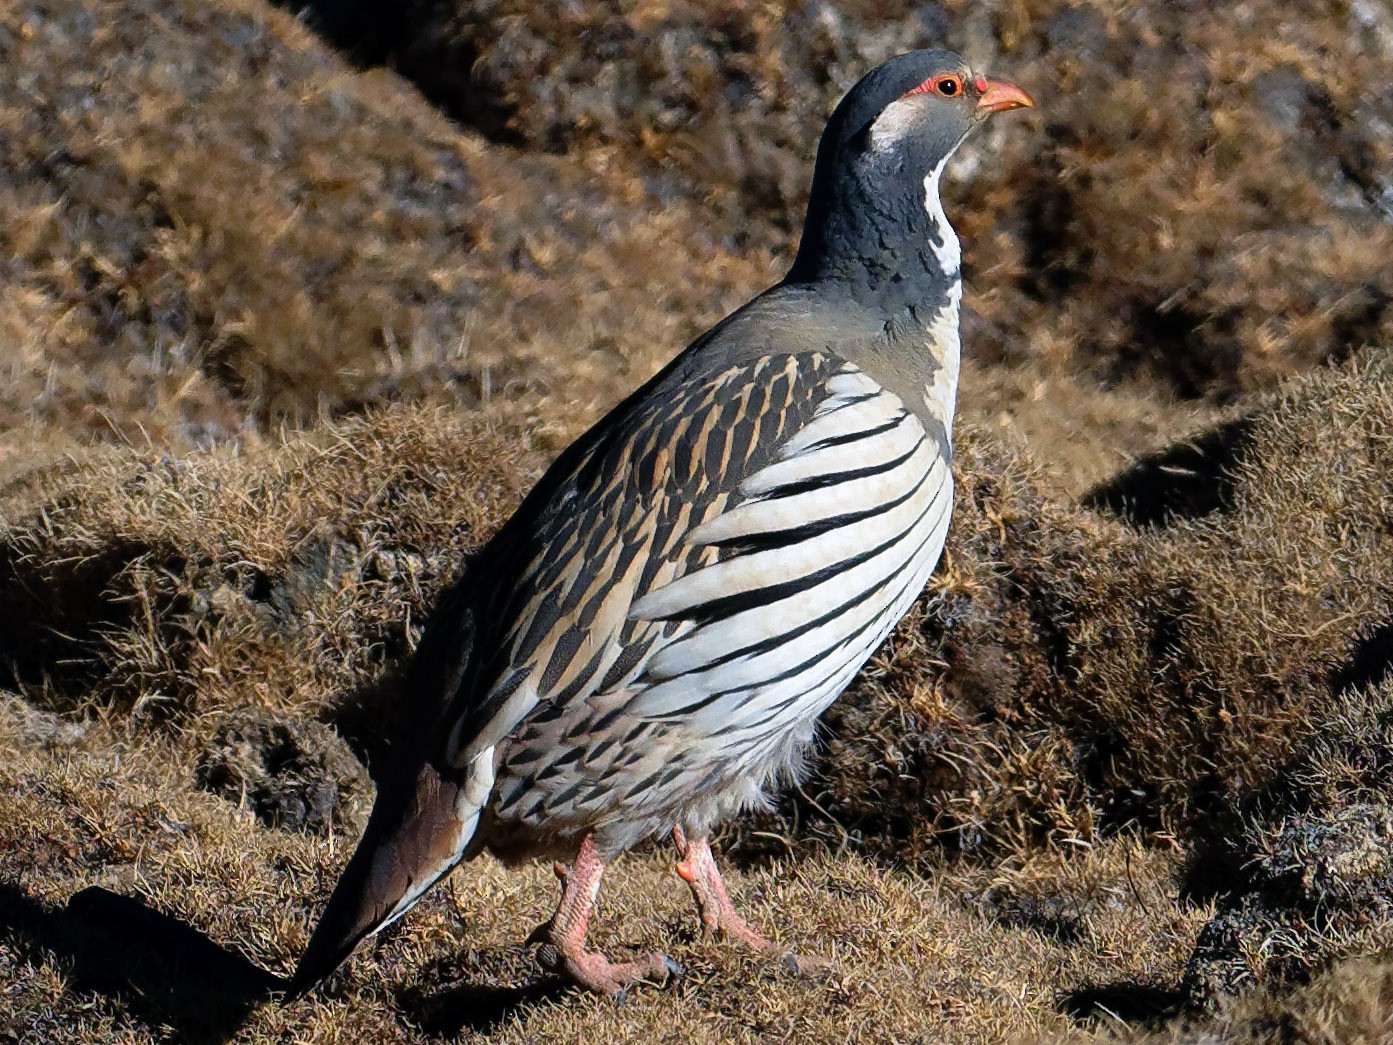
[283,345]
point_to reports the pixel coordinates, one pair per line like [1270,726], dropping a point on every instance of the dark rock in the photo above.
[291,773]
[1322,888]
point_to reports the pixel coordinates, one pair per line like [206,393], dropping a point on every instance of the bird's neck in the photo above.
[890,252]
[894,260]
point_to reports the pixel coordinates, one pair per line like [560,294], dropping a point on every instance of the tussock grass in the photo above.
[1204,205]
[282,346]
[1026,712]
[213,227]
[161,584]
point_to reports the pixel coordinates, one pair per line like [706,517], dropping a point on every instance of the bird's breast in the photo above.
[777,596]
[944,353]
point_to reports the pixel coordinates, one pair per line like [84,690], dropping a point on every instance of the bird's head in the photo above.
[884,147]
[914,110]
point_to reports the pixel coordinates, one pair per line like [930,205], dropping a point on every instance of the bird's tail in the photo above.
[413,839]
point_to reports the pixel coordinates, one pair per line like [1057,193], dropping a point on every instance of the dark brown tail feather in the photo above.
[410,843]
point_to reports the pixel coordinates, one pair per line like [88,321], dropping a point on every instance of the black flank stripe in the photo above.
[645,784]
[597,752]
[863,397]
[543,616]
[771,539]
[644,460]
[734,408]
[498,695]
[602,538]
[629,658]
[857,436]
[579,682]
[774,680]
[744,435]
[784,676]
[629,549]
[566,796]
[783,705]
[669,775]
[729,605]
[715,451]
[792,672]
[571,754]
[683,454]
[708,781]
[606,720]
[544,715]
[819,482]
[786,637]
[779,394]
[523,757]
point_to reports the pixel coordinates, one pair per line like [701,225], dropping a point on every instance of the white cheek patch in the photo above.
[894,121]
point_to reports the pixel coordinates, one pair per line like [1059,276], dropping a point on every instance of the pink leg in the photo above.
[563,937]
[697,867]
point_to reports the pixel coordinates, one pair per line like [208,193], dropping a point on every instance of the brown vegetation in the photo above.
[284,345]
[1205,206]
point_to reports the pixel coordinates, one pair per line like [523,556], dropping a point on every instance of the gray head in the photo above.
[869,223]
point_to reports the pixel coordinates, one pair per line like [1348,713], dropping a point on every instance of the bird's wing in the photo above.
[765,482]
[613,526]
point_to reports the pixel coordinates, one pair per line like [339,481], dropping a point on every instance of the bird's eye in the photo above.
[949,86]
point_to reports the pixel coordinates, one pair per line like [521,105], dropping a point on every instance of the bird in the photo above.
[644,647]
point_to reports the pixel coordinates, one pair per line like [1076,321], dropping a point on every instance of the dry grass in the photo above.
[958,845]
[212,227]
[949,957]
[1204,205]
[283,345]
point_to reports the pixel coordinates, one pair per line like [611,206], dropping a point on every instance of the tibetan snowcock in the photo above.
[646,645]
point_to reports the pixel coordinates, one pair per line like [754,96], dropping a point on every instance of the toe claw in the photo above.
[672,968]
[537,935]
[621,997]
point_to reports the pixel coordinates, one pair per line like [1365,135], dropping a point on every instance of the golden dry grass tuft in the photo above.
[163,585]
[1204,205]
[283,345]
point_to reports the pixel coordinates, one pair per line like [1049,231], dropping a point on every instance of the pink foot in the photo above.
[697,867]
[562,938]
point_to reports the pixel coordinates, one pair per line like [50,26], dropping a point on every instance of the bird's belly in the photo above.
[729,705]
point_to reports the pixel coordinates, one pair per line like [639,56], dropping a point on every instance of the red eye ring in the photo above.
[949,86]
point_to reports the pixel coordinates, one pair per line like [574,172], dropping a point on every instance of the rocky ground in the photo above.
[294,305]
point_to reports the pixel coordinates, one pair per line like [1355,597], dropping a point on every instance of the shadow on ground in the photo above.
[1185,481]
[1139,1004]
[165,972]
[478,1008]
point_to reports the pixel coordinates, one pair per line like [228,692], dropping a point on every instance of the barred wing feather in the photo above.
[755,537]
